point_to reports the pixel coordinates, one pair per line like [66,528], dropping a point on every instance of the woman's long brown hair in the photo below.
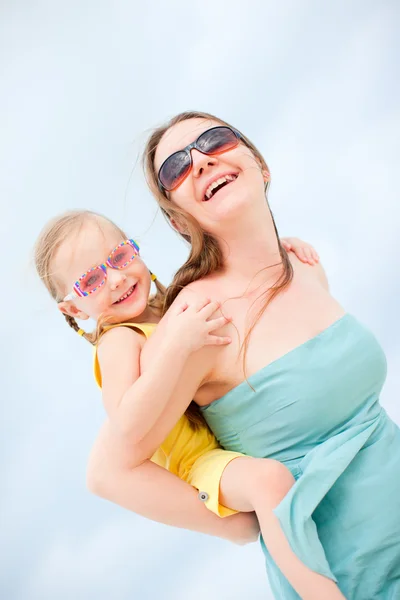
[205,256]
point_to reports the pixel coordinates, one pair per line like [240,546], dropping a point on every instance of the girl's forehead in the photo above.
[179,136]
[97,236]
[88,246]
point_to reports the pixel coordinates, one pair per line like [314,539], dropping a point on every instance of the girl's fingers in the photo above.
[202,303]
[301,255]
[216,340]
[180,309]
[287,245]
[315,255]
[215,324]
[209,309]
[308,254]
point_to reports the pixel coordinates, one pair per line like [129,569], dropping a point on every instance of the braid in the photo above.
[156,301]
[74,325]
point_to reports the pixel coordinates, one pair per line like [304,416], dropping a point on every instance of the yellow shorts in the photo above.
[205,475]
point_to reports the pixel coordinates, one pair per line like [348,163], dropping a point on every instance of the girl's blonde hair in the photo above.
[55,233]
[205,255]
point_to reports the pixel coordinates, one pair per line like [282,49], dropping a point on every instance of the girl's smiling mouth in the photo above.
[126,295]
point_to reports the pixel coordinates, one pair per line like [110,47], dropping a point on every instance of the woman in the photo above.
[300,383]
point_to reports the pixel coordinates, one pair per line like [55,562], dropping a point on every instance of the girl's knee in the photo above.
[272,480]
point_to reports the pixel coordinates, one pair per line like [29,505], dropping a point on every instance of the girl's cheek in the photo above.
[96,308]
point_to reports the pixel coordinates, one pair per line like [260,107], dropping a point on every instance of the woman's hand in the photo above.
[191,325]
[304,252]
[242,528]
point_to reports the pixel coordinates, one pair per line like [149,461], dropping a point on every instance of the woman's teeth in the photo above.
[210,191]
[128,293]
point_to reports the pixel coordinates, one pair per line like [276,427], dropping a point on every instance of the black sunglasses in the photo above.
[178,166]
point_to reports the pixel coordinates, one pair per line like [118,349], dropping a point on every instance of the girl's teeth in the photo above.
[126,295]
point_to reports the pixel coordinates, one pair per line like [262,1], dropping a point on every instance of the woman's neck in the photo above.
[250,248]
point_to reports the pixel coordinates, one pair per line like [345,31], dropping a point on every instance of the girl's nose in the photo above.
[116,278]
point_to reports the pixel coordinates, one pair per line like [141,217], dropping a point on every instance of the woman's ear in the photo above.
[179,227]
[69,308]
[266,175]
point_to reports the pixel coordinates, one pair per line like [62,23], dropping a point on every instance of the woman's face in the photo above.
[212,206]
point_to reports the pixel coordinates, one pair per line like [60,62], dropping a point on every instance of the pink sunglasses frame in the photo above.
[77,292]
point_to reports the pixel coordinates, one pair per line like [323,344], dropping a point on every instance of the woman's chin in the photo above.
[231,207]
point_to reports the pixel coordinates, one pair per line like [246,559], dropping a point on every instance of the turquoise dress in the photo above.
[316,410]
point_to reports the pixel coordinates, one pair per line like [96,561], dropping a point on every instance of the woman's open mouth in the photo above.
[218,184]
[126,295]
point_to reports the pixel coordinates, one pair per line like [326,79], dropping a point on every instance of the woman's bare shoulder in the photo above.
[312,272]
[199,289]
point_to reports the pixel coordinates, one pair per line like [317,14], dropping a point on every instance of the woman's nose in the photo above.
[202,162]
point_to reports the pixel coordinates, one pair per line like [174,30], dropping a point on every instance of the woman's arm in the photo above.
[157,494]
[134,401]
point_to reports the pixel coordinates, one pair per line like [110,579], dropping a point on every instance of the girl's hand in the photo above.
[304,252]
[191,325]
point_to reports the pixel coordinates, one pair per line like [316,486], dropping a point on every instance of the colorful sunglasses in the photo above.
[95,278]
[177,167]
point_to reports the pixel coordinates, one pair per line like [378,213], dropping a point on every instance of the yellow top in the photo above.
[193,454]
[184,444]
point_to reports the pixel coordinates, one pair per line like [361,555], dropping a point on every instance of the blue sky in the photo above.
[316,87]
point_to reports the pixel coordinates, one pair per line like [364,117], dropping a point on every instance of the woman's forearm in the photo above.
[154,493]
[157,494]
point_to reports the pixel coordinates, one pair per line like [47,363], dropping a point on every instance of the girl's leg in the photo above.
[259,484]
[154,493]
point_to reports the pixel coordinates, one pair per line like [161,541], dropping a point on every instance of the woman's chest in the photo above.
[263,332]
[326,385]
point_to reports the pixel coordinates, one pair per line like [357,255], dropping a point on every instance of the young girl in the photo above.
[93,270]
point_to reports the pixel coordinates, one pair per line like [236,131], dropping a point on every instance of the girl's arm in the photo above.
[118,469]
[157,494]
[197,366]
[195,373]
[135,402]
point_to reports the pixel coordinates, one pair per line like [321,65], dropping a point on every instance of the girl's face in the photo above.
[125,293]
[228,198]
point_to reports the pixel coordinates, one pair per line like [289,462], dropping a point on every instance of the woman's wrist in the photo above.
[241,529]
